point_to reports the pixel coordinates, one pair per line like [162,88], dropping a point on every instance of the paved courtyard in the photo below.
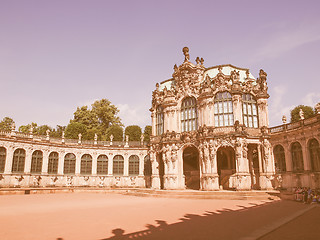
[88,216]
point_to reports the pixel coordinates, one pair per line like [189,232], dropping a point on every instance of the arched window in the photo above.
[102,165]
[249,111]
[69,163]
[86,164]
[159,123]
[279,159]
[223,110]
[133,165]
[147,166]
[314,152]
[297,159]
[189,115]
[53,163]
[3,153]
[36,162]
[118,162]
[19,157]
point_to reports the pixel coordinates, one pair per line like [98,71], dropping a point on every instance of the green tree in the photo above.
[116,131]
[134,132]
[147,133]
[57,132]
[74,128]
[99,118]
[6,124]
[26,128]
[42,130]
[307,110]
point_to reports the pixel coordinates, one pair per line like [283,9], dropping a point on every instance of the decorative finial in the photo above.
[202,61]
[301,114]
[198,60]
[185,51]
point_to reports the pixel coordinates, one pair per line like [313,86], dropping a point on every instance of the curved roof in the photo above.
[226,70]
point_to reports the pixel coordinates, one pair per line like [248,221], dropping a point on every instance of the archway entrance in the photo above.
[226,165]
[191,168]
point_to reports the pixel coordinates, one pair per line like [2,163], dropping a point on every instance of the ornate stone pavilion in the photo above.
[209,132]
[210,129]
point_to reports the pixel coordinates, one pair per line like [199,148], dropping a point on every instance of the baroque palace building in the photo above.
[209,132]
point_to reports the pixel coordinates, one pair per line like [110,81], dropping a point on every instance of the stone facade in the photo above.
[210,129]
[38,161]
[296,153]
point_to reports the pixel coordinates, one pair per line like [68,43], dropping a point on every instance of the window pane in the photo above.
[215,108]
[216,121]
[244,108]
[254,109]
[250,122]
[255,122]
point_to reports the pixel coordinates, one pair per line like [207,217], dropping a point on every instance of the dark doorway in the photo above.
[147,171]
[226,165]
[161,169]
[191,168]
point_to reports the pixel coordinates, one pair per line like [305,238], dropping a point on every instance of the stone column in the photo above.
[263,112]
[260,159]
[9,159]
[78,163]
[305,155]
[153,123]
[126,165]
[94,164]
[237,108]
[141,164]
[110,164]
[45,161]
[61,163]
[288,158]
[27,166]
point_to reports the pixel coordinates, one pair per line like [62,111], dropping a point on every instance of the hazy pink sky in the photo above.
[57,55]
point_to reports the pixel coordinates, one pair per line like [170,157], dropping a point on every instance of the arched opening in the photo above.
[226,165]
[3,153]
[147,171]
[314,153]
[279,159]
[134,165]
[53,163]
[191,168]
[297,157]
[161,169]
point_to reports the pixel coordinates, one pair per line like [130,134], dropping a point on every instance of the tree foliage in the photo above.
[134,132]
[6,124]
[116,131]
[74,128]
[307,110]
[98,119]
[147,133]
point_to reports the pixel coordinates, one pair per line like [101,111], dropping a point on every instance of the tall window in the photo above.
[133,165]
[3,154]
[159,123]
[297,159]
[118,162]
[189,115]
[36,162]
[279,159]
[102,165]
[249,111]
[53,163]
[19,157]
[86,164]
[314,152]
[69,163]
[223,110]
[147,166]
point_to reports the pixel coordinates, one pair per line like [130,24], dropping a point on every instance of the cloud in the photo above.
[311,99]
[134,115]
[287,39]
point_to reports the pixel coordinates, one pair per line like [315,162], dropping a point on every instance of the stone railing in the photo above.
[295,125]
[42,138]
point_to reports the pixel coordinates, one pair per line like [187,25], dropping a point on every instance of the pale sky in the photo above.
[57,55]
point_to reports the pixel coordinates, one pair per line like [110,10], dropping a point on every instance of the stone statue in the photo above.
[185,51]
[80,135]
[317,107]
[284,119]
[95,137]
[127,138]
[63,135]
[301,114]
[13,126]
[111,138]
